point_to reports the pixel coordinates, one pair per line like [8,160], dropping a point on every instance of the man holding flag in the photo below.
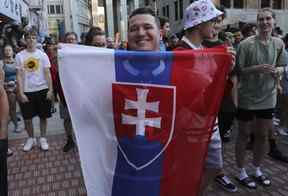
[148,115]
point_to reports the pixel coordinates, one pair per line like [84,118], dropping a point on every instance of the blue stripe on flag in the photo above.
[144,67]
[130,182]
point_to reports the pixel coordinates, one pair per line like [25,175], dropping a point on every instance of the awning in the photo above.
[11,9]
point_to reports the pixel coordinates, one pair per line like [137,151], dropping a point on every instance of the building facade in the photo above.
[149,3]
[246,11]
[173,10]
[237,11]
[69,15]
[38,17]
[98,13]
[117,12]
[56,18]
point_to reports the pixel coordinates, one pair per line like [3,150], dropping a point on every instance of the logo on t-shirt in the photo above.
[31,64]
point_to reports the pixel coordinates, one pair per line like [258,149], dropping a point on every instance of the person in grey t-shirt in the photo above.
[258,58]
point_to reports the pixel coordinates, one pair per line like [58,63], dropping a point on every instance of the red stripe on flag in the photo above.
[199,77]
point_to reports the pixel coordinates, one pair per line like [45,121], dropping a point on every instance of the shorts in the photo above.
[38,105]
[10,87]
[64,112]
[249,115]
[214,158]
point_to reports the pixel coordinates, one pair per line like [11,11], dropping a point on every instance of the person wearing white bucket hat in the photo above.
[199,19]
[199,22]
[199,12]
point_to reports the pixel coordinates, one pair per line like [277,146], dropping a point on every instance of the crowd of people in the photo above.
[255,94]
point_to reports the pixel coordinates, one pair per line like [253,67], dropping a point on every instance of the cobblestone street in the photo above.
[49,173]
[55,173]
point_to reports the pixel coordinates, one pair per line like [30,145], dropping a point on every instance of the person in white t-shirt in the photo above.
[35,89]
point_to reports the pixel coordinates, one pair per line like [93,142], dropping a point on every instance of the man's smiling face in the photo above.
[143,33]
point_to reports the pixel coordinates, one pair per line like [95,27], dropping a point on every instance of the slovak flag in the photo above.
[142,120]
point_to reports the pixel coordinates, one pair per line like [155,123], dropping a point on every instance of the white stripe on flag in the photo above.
[82,81]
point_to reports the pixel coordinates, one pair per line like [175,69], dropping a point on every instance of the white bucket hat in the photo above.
[198,12]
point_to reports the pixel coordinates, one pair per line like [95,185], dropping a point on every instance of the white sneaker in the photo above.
[282,131]
[29,144]
[43,143]
[9,152]
[276,121]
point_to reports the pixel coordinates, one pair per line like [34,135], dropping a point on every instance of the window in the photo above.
[101,18]
[265,3]
[239,4]
[58,9]
[226,3]
[164,11]
[181,9]
[176,10]
[101,3]
[167,11]
[51,9]
[277,4]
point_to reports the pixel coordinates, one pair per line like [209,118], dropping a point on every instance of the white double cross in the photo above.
[141,105]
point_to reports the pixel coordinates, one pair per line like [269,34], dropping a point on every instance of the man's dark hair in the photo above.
[145,11]
[247,28]
[94,31]
[30,32]
[70,33]
[142,10]
[163,21]
[285,40]
[278,30]
[7,45]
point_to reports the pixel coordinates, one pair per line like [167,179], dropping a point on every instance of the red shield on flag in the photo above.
[144,116]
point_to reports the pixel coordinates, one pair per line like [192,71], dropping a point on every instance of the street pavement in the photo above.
[55,173]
